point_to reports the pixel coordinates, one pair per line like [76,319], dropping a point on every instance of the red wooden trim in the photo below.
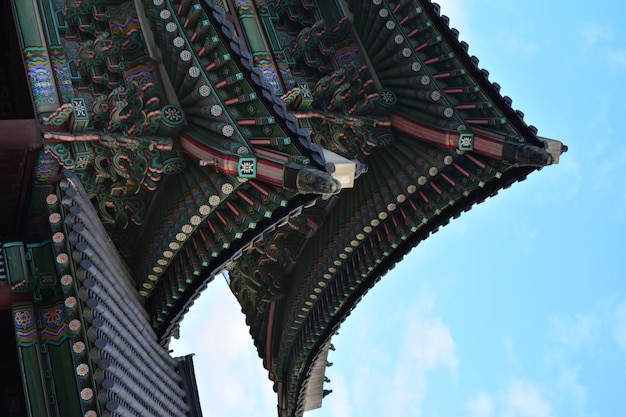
[482,144]
[19,134]
[268,339]
[7,298]
[268,171]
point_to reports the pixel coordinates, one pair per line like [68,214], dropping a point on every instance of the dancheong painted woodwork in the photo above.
[301,147]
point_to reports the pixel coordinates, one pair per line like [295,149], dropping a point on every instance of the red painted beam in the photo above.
[19,134]
[482,144]
[268,340]
[7,298]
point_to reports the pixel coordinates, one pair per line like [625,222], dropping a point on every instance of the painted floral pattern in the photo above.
[62,258]
[86,394]
[75,325]
[82,369]
[54,218]
[66,280]
[78,347]
[53,317]
[70,302]
[23,319]
[52,199]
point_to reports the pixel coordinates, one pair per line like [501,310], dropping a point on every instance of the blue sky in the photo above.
[517,308]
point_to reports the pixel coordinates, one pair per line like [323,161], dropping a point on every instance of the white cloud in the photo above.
[600,37]
[427,346]
[576,331]
[230,376]
[595,33]
[480,406]
[583,339]
[525,399]
[513,361]
[617,59]
[408,344]
[430,344]
[523,46]
[520,398]
[569,384]
[619,331]
[457,11]
[427,339]
[603,325]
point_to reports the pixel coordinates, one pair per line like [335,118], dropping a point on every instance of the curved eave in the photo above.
[197,233]
[411,190]
[208,20]
[416,55]
[303,324]
[470,63]
[175,313]
[192,27]
[293,387]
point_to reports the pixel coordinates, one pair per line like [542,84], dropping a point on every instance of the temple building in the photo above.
[299,147]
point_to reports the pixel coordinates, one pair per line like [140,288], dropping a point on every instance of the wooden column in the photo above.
[19,144]
[29,352]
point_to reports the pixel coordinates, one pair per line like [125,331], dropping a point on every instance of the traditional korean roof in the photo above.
[133,373]
[394,88]
[303,146]
[191,152]
[100,352]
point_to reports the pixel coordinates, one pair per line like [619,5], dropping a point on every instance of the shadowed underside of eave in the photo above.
[364,234]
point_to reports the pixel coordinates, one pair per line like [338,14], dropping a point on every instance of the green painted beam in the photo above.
[29,353]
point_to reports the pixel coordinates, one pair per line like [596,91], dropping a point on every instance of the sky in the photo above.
[518,307]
